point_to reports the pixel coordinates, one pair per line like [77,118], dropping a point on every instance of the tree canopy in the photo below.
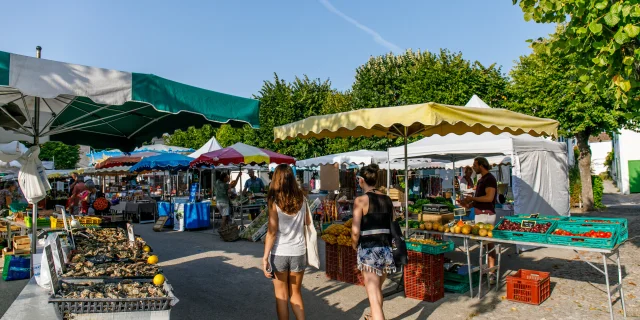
[388,80]
[603,33]
[64,156]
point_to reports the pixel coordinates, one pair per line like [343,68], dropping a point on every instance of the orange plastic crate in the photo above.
[331,261]
[527,286]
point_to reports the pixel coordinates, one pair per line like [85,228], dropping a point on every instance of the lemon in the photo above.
[146,249]
[152,259]
[158,280]
[483,232]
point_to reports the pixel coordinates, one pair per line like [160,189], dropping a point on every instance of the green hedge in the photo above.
[598,190]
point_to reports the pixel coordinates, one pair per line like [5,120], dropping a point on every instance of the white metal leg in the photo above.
[468,252]
[481,272]
[624,308]
[606,277]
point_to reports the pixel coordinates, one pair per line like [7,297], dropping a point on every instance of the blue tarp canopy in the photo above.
[162,162]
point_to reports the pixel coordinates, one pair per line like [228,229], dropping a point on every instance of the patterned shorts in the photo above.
[376,259]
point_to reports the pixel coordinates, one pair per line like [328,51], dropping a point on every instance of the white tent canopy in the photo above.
[211,145]
[365,157]
[540,168]
[476,102]
[414,164]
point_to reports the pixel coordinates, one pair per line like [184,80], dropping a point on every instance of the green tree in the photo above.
[191,138]
[603,33]
[548,86]
[282,102]
[420,77]
[65,156]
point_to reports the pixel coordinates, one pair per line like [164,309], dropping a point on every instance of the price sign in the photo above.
[132,237]
[528,224]
[534,216]
[52,269]
[63,265]
[419,236]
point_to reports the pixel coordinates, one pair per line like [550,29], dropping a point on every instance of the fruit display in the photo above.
[508,225]
[101,204]
[425,241]
[255,225]
[329,238]
[588,234]
[337,229]
[338,233]
[344,240]
[349,223]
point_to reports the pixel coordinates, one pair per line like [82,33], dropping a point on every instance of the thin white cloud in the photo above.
[376,36]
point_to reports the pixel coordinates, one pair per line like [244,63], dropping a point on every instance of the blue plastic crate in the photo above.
[445,246]
[522,236]
[578,241]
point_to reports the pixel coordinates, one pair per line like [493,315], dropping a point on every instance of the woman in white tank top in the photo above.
[285,251]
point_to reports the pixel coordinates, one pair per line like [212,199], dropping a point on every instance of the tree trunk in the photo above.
[584,163]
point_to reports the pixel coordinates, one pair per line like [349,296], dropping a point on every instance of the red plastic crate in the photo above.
[424,276]
[532,287]
[348,266]
[331,261]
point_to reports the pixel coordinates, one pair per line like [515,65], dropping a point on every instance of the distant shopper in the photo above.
[254,184]
[285,249]
[222,196]
[484,202]
[371,237]
[6,194]
[72,182]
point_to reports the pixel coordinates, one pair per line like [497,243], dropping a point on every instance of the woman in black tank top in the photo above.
[371,237]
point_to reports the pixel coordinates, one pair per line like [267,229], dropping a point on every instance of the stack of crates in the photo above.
[348,266]
[424,276]
[331,258]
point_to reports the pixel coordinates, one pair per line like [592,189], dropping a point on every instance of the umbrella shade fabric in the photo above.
[105,108]
[118,161]
[162,162]
[241,154]
[425,119]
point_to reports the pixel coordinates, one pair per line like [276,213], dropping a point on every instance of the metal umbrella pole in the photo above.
[36,142]
[406,186]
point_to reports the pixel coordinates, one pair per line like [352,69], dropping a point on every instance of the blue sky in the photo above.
[233,46]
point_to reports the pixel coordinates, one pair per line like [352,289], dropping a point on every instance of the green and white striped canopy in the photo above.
[105,108]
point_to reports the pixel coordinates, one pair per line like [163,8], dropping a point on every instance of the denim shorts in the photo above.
[224,209]
[288,263]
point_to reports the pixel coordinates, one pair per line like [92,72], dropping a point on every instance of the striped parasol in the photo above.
[241,154]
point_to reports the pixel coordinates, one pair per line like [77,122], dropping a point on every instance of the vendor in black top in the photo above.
[484,202]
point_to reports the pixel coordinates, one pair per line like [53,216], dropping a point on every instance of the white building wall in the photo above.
[627,147]
[599,152]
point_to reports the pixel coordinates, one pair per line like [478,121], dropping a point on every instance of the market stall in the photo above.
[102,108]
[427,119]
[540,167]
[603,236]
[196,215]
[241,155]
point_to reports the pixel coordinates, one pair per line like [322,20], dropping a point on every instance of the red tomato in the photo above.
[602,234]
[607,234]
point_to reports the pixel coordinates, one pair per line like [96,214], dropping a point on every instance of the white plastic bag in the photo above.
[43,277]
[32,177]
[311,238]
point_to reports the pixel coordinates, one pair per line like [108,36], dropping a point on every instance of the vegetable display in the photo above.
[589,234]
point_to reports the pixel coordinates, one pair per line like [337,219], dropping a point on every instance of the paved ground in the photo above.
[218,280]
